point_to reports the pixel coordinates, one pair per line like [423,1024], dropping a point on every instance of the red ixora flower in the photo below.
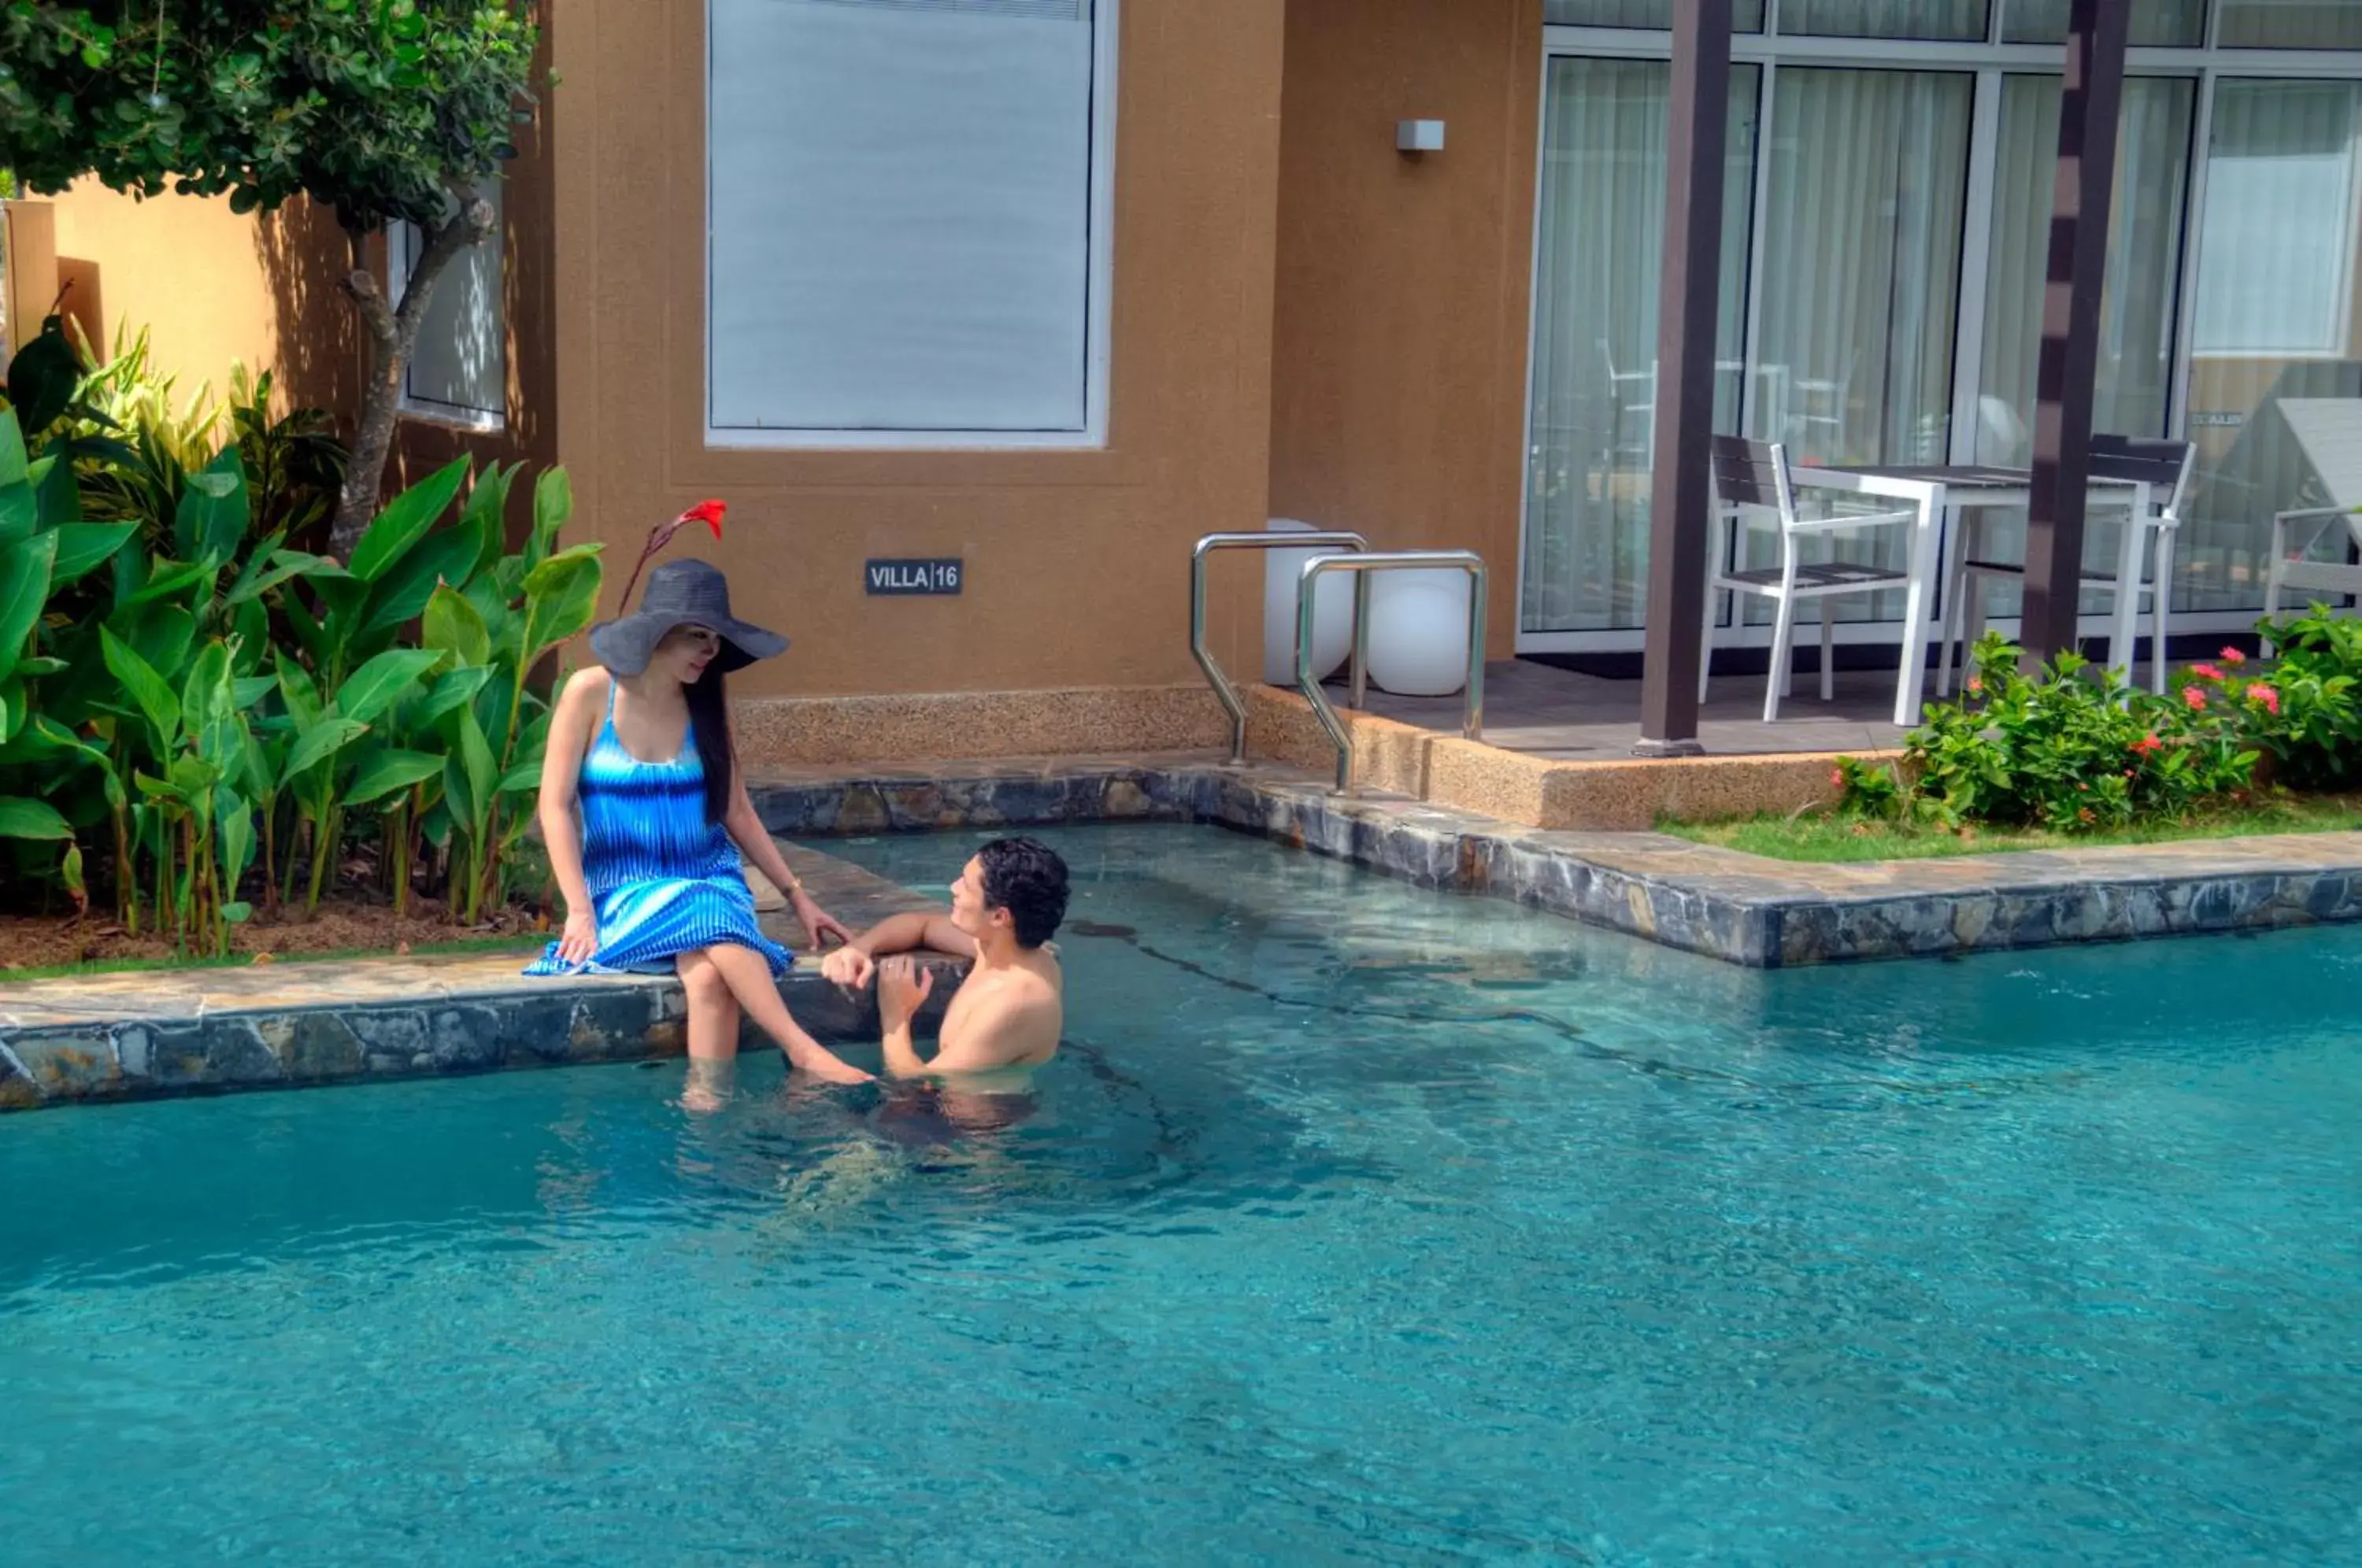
[2234,657]
[1976,683]
[2196,696]
[708,513]
[2148,745]
[2206,672]
[2267,696]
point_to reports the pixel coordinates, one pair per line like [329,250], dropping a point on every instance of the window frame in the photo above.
[400,237]
[1107,28]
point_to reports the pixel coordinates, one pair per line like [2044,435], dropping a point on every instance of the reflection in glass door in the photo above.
[2275,318]
[1594,370]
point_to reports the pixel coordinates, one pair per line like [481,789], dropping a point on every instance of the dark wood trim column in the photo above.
[1681,494]
[2080,193]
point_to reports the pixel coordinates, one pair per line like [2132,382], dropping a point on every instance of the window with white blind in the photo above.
[459,370]
[908,222]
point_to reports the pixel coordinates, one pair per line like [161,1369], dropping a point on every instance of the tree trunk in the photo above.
[392,332]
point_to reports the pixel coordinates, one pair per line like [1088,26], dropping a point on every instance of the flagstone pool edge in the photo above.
[209,1031]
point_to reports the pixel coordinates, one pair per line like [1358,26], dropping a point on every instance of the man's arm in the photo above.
[856,961]
[902,988]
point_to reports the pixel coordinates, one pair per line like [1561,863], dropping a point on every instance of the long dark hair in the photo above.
[709,719]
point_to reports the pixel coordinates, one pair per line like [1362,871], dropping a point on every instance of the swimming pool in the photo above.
[1360,1223]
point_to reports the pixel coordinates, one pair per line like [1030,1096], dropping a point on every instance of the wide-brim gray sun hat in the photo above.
[682,593]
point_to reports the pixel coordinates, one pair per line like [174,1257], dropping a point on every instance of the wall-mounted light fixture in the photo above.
[1419,136]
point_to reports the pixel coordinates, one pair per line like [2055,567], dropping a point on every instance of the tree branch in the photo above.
[394,334]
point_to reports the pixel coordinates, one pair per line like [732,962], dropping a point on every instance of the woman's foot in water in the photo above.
[809,1057]
[710,1085]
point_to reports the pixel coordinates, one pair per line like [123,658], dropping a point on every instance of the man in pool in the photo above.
[1005,906]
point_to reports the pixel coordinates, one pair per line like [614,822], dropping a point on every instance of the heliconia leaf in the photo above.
[22,818]
[388,771]
[405,521]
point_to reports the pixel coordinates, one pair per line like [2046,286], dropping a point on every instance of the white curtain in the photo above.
[1954,19]
[2275,314]
[2137,307]
[1862,275]
[2136,310]
[1595,373]
[2155,23]
[2292,24]
[1745,16]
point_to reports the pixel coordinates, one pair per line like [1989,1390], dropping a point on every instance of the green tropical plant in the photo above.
[232,719]
[378,110]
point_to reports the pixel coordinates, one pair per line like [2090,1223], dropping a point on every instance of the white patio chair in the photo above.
[1751,475]
[2165,468]
[2328,431]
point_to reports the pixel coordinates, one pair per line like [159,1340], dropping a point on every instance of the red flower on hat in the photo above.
[708,513]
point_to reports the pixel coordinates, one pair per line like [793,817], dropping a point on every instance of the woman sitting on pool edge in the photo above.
[647,852]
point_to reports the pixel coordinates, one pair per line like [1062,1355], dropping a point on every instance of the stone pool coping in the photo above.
[144,1033]
[1724,903]
[155,1033]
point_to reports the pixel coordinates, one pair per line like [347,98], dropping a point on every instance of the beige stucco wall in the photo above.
[215,288]
[1400,350]
[1077,561]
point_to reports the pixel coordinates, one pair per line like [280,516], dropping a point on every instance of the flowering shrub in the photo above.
[2069,748]
[2305,709]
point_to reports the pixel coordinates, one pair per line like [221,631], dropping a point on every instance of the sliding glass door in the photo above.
[1885,259]
[1594,362]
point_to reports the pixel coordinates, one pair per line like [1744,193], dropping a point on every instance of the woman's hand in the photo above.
[903,987]
[581,939]
[818,924]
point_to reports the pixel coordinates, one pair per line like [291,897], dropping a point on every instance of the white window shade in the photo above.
[2276,245]
[460,367]
[908,221]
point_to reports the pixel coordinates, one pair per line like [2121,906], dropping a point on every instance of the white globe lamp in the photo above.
[1332,613]
[1418,632]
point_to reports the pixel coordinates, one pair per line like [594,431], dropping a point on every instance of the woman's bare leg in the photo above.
[712,1032]
[748,976]
[713,1009]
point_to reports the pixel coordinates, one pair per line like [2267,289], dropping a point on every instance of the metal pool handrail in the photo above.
[1223,690]
[1362,567]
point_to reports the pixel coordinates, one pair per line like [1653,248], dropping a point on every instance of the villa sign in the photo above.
[906,578]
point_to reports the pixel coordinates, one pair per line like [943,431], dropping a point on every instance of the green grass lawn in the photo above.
[517,943]
[1825,838]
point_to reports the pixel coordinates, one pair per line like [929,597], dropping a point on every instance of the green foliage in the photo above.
[2306,708]
[2069,749]
[232,719]
[373,107]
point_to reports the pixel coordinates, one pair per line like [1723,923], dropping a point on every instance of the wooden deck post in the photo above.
[2081,191]
[1688,304]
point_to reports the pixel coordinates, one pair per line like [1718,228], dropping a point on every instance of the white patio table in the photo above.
[1939,488]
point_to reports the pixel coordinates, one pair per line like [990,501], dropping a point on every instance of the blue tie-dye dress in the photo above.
[663,880]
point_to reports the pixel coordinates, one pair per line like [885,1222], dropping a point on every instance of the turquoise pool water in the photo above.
[1363,1224]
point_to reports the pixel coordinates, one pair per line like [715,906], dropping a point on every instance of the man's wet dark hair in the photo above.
[1028,880]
